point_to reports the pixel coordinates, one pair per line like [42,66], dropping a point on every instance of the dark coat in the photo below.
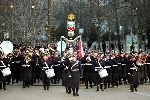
[133,77]
[109,70]
[37,70]
[56,66]
[5,61]
[26,71]
[44,76]
[115,76]
[75,75]
[97,76]
[88,71]
[65,75]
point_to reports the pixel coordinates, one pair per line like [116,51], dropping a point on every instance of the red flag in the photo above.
[80,49]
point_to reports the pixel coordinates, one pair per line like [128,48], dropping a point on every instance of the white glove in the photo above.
[66,67]
[129,74]
[96,70]
[70,76]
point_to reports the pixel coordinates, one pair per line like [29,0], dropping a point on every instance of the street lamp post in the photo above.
[34,27]
[11,7]
[49,17]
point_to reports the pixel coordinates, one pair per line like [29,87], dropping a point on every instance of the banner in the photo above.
[132,39]
[80,49]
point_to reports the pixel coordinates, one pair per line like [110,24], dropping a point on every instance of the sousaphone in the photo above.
[7,47]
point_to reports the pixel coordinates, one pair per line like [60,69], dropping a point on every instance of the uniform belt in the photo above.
[119,63]
[2,66]
[74,70]
[45,67]
[123,64]
[56,65]
[114,65]
[99,67]
[82,64]
[107,67]
[147,63]
[134,68]
[25,65]
[87,64]
[17,61]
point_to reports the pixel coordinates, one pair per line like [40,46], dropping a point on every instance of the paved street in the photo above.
[36,92]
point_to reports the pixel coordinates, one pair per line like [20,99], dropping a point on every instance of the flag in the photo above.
[80,49]
[61,51]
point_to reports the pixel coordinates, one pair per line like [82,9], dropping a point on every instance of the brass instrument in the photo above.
[141,60]
[27,60]
[37,62]
[88,59]
[138,62]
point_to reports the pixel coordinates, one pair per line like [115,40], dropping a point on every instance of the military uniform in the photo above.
[108,67]
[115,76]
[65,75]
[18,66]
[99,66]
[75,70]
[45,65]
[133,74]
[88,72]
[26,71]
[148,66]
[56,65]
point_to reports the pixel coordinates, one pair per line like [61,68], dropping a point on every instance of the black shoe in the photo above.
[112,86]
[91,86]
[102,89]
[120,83]
[77,94]
[97,90]
[44,88]
[23,87]
[8,83]
[136,89]
[69,92]
[4,88]
[74,94]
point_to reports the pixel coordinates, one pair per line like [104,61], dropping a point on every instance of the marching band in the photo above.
[93,69]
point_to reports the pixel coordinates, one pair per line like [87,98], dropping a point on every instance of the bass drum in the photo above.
[103,73]
[50,72]
[6,71]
